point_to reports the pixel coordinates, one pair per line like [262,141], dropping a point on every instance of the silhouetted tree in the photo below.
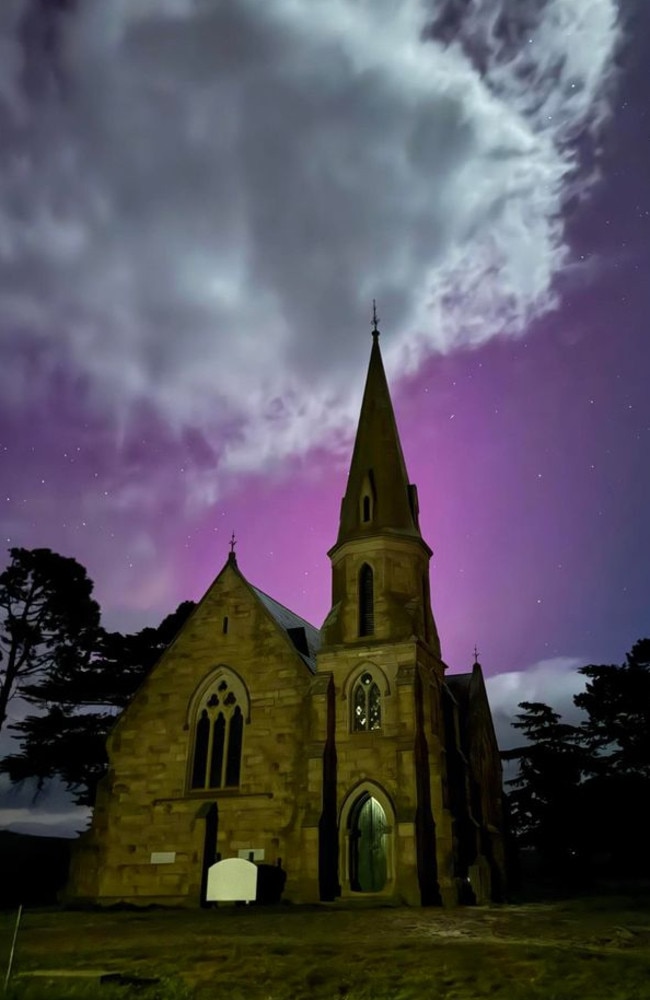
[78,704]
[544,804]
[47,619]
[581,791]
[617,734]
[617,703]
[117,667]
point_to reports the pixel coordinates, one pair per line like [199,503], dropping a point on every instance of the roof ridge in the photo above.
[284,607]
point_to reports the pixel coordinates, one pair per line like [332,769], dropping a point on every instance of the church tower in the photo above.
[342,764]
[385,826]
[380,562]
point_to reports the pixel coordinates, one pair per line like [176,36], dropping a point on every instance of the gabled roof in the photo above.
[470,694]
[459,685]
[305,638]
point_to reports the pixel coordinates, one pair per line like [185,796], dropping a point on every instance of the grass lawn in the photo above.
[587,949]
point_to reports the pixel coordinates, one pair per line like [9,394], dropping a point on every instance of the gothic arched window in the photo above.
[366,601]
[218,734]
[366,704]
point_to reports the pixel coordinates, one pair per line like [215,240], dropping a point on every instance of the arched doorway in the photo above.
[367,840]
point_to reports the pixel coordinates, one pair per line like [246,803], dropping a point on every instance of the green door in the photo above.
[368,846]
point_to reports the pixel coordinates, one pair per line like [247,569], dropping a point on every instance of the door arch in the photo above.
[367,834]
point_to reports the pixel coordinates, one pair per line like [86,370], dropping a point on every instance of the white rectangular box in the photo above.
[251,854]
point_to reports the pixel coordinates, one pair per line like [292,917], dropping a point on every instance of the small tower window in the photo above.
[366,704]
[366,601]
[225,625]
[367,498]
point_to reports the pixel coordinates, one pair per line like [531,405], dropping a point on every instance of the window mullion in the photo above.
[226,743]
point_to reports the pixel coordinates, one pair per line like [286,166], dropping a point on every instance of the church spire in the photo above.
[378,497]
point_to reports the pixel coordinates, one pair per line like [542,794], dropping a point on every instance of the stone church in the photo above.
[349,759]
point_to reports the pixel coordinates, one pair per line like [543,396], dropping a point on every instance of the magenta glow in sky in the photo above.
[199,202]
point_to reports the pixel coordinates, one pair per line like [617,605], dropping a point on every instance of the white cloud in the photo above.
[554,682]
[198,201]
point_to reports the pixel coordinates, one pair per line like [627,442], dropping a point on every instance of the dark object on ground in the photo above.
[118,979]
[270,883]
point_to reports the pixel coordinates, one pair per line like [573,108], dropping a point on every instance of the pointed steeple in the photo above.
[378,496]
[380,563]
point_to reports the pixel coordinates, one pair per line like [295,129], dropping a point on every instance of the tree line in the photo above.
[76,676]
[579,795]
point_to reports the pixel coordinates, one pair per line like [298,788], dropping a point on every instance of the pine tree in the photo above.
[47,618]
[617,734]
[617,703]
[545,801]
[78,702]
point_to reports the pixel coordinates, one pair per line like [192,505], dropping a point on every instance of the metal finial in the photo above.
[375,319]
[475,654]
[233,542]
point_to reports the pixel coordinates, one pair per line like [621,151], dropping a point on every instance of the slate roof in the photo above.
[304,636]
[459,685]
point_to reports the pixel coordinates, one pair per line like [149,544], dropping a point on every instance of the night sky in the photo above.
[198,203]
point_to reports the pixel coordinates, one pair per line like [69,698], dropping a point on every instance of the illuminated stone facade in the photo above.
[349,759]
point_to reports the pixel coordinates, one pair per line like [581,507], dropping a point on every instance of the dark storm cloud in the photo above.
[200,200]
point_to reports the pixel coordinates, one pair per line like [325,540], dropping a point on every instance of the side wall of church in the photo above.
[487,776]
[145,805]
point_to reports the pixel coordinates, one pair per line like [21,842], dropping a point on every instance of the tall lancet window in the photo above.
[366,704]
[218,734]
[366,601]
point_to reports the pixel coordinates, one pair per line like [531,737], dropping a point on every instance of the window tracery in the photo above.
[366,704]
[218,737]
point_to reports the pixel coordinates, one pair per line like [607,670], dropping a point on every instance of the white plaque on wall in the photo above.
[163,857]
[251,854]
